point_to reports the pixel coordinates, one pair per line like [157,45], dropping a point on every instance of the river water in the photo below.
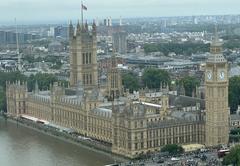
[20,146]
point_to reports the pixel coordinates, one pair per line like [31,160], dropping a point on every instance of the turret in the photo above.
[83,49]
[57,91]
[160,88]
[16,95]
[197,92]
[113,60]
[94,28]
[36,88]
[78,29]
[71,30]
[216,45]
[165,89]
[181,89]
[86,27]
[114,79]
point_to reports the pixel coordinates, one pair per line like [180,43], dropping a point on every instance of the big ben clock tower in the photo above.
[216,84]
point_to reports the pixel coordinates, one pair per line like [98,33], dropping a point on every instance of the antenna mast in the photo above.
[18,52]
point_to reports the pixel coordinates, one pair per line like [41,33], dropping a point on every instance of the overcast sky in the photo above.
[62,10]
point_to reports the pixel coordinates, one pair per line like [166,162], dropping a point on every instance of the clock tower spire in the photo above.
[216,86]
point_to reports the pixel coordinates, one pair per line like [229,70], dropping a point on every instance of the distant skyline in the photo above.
[53,11]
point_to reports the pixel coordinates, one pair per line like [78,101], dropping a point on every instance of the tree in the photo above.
[12,77]
[233,157]
[152,78]
[232,44]
[234,93]
[2,98]
[189,84]
[186,48]
[57,65]
[235,131]
[172,149]
[29,58]
[130,81]
[43,80]
[234,135]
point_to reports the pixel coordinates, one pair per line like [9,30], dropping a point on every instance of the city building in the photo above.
[55,46]
[9,37]
[235,119]
[60,31]
[83,58]
[216,93]
[132,124]
[120,42]
[114,80]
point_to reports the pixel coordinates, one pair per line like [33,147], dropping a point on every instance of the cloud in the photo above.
[34,10]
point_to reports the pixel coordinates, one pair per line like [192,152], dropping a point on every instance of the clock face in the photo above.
[209,75]
[222,75]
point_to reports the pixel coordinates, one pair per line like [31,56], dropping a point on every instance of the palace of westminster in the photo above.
[132,124]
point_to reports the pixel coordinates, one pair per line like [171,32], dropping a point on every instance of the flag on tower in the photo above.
[84,7]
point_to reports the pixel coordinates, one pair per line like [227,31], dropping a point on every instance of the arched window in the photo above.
[83,58]
[90,58]
[86,58]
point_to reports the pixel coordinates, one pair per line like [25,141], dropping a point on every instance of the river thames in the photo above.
[20,146]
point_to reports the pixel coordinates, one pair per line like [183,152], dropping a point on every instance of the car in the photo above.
[203,150]
[160,161]
[175,159]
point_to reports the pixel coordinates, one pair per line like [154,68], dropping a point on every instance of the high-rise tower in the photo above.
[216,84]
[83,58]
[120,41]
[114,80]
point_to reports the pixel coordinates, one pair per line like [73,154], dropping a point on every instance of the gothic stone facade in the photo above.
[83,58]
[216,84]
[131,127]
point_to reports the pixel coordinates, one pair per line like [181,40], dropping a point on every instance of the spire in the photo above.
[113,59]
[216,45]
[216,39]
[167,88]
[193,93]
[78,28]
[71,31]
[181,89]
[36,87]
[161,86]
[94,27]
[86,26]
[51,87]
[196,92]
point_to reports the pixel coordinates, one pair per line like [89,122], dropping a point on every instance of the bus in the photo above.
[223,152]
